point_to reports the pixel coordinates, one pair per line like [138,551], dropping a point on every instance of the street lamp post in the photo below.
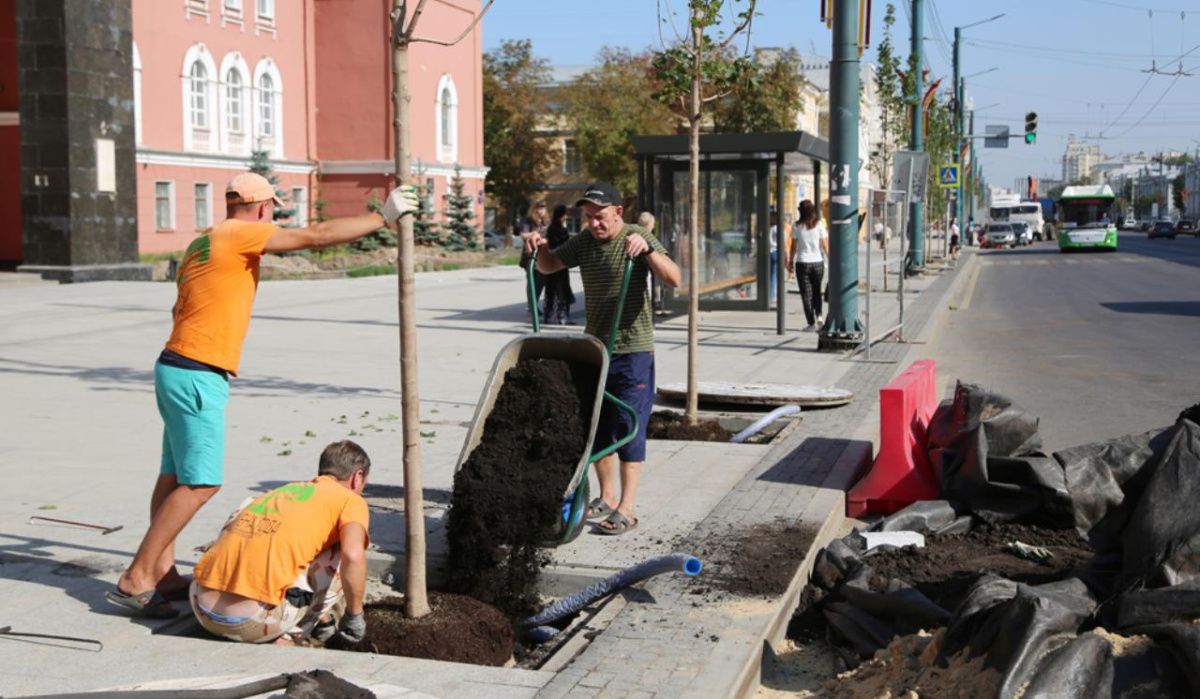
[961,95]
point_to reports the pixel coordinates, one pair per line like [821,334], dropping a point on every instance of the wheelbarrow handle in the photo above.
[633,416]
[616,324]
[531,291]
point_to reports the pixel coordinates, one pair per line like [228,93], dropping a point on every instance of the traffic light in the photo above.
[1031,127]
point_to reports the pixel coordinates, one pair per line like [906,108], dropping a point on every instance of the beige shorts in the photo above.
[267,623]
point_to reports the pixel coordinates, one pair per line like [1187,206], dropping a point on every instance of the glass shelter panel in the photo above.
[730,234]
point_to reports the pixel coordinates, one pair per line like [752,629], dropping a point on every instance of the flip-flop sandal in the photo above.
[150,604]
[597,509]
[620,525]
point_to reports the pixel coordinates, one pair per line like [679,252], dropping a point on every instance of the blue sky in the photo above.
[1078,63]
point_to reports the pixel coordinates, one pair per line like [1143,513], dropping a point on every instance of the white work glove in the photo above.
[353,628]
[402,200]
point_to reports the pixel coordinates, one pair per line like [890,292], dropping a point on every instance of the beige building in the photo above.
[1080,160]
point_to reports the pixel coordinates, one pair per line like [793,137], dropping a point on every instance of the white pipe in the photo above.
[764,421]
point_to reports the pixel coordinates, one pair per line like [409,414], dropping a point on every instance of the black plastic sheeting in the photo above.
[1135,498]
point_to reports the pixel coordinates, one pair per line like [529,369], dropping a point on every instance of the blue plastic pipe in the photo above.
[536,628]
[763,421]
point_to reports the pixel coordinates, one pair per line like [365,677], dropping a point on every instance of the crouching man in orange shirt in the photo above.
[293,562]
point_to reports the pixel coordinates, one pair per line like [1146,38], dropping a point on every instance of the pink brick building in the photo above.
[309,81]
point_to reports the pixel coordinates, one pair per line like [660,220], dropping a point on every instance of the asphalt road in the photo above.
[1097,344]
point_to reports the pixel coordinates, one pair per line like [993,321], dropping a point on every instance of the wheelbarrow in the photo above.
[575,348]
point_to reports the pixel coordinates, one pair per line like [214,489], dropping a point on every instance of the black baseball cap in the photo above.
[600,194]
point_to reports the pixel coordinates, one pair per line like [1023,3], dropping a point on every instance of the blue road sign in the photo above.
[948,176]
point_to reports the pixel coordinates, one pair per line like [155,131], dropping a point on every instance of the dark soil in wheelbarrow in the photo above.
[668,425]
[459,629]
[508,495]
[946,567]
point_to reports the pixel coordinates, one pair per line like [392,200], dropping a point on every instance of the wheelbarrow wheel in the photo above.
[576,517]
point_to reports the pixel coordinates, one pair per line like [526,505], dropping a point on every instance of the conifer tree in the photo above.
[260,164]
[460,211]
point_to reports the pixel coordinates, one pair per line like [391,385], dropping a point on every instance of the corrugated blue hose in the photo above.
[536,628]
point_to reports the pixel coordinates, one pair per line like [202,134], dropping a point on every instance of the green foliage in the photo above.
[382,238]
[720,71]
[607,105]
[460,212]
[426,230]
[890,91]
[260,163]
[1179,160]
[941,137]
[1179,193]
[513,102]
[371,271]
[764,98]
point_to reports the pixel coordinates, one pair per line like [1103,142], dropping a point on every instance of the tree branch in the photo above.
[412,23]
[671,18]
[440,42]
[739,28]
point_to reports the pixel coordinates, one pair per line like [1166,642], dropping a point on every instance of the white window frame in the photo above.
[232,5]
[264,10]
[137,95]
[200,53]
[569,144]
[199,106]
[208,205]
[447,144]
[170,205]
[236,142]
[300,204]
[274,144]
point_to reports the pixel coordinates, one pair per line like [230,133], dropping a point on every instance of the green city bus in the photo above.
[1087,218]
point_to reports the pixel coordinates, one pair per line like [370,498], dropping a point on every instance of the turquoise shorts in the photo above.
[192,406]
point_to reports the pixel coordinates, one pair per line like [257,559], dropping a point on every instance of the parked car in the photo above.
[1129,224]
[494,240]
[1162,229]
[1146,225]
[1024,232]
[1186,226]
[999,235]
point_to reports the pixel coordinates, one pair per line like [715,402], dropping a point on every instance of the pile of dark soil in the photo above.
[508,496]
[946,567]
[756,562]
[459,629]
[668,425]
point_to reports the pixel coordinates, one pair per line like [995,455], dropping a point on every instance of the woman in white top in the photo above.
[810,247]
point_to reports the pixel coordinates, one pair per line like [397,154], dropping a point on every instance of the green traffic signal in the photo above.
[1031,138]
[1031,120]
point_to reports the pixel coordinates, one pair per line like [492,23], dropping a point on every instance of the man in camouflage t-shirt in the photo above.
[600,255]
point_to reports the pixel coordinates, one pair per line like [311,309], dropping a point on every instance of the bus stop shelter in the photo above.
[734,267]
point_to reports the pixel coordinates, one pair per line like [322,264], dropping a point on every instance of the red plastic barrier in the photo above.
[901,473]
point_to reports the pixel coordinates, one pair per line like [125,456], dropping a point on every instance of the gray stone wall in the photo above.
[75,62]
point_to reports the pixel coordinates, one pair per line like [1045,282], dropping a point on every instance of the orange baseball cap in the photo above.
[250,188]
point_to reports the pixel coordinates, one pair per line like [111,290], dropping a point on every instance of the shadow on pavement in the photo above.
[245,386]
[811,462]
[26,561]
[1162,308]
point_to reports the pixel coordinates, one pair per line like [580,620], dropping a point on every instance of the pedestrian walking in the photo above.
[536,221]
[216,285]
[954,239]
[600,254]
[810,248]
[559,296]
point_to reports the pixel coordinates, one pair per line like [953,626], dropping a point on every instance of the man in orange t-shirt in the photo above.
[286,561]
[216,282]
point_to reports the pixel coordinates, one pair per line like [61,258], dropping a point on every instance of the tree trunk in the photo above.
[416,597]
[693,394]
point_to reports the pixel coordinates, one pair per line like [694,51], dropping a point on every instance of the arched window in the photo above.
[200,79]
[233,101]
[446,120]
[267,131]
[266,106]
[198,107]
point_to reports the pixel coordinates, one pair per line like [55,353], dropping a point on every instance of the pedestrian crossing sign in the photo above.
[948,176]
